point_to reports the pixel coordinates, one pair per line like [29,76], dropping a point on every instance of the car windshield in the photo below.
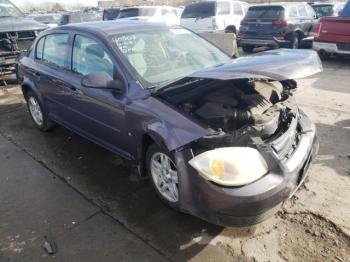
[163,56]
[7,9]
[141,11]
[265,12]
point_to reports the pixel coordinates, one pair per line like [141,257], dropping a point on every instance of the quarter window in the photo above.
[223,8]
[293,12]
[302,10]
[55,49]
[90,57]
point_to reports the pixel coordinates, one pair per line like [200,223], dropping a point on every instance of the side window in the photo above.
[90,57]
[302,10]
[55,49]
[311,11]
[237,9]
[39,49]
[223,8]
[293,12]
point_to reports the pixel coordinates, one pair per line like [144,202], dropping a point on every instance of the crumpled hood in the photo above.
[278,64]
[15,24]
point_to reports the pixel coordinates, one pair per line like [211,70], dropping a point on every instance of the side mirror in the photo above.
[103,80]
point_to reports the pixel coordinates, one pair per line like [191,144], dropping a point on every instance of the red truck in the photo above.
[332,34]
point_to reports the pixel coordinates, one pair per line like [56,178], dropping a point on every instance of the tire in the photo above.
[231,29]
[37,112]
[247,48]
[323,55]
[294,41]
[164,182]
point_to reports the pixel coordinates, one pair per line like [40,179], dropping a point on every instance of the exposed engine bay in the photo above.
[228,106]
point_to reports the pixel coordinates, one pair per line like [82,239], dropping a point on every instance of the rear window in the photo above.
[265,12]
[132,12]
[202,9]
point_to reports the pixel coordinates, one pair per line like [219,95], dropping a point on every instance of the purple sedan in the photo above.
[220,139]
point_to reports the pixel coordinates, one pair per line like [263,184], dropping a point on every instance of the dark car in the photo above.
[327,8]
[110,13]
[220,139]
[17,34]
[48,19]
[276,25]
[79,17]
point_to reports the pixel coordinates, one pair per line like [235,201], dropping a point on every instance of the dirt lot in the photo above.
[314,225]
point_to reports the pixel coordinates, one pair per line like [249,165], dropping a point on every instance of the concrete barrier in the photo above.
[225,41]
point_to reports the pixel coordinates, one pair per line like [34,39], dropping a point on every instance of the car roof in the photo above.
[283,4]
[113,26]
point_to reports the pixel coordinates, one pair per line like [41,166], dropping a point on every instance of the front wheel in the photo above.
[162,171]
[37,112]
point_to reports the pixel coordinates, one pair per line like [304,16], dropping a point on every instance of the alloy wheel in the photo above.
[164,175]
[35,111]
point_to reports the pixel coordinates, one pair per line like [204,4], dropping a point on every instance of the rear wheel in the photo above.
[162,171]
[37,112]
[294,41]
[323,54]
[248,48]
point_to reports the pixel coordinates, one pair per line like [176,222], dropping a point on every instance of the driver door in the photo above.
[98,114]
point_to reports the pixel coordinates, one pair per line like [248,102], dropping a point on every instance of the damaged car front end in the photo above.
[220,139]
[259,144]
[17,34]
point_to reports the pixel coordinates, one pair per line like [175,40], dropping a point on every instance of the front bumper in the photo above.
[8,61]
[331,48]
[252,203]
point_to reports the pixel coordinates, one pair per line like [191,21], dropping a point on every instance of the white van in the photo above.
[162,14]
[214,15]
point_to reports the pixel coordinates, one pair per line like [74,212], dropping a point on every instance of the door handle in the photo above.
[65,84]
[37,74]
[74,90]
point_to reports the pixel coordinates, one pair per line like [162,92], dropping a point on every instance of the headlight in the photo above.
[230,166]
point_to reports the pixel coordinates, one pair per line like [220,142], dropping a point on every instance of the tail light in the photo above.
[318,29]
[214,24]
[244,22]
[280,22]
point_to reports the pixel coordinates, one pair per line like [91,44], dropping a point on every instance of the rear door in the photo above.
[51,59]
[224,15]
[305,20]
[199,16]
[263,21]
